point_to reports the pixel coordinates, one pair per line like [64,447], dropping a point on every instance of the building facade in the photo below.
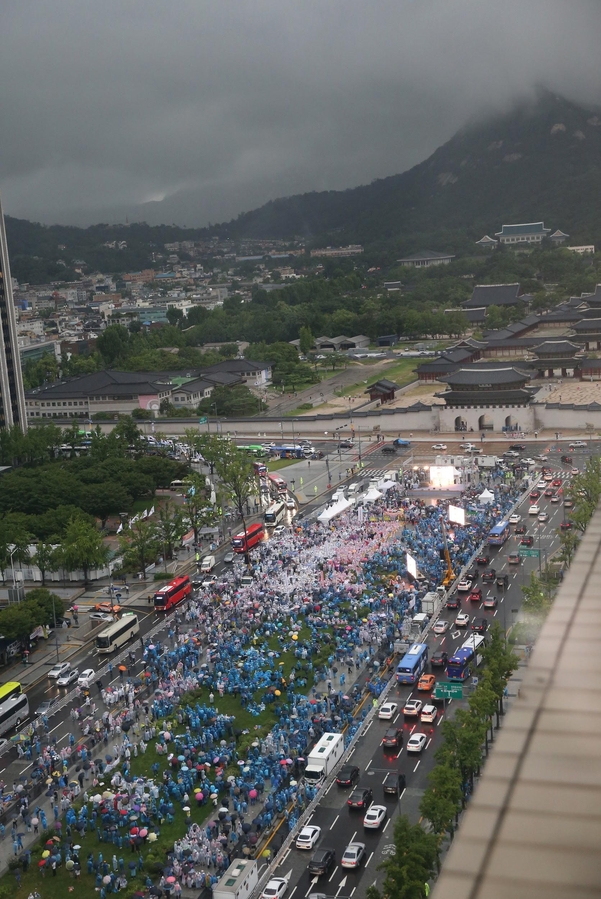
[532,232]
[12,395]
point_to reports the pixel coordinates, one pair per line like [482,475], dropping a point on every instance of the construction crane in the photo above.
[449,576]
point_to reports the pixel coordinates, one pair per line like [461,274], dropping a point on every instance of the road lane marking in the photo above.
[353,890]
[369,859]
[399,752]
[386,825]
[334,821]
[416,767]
[440,719]
[397,718]
[333,874]
[293,891]
[353,837]
[428,743]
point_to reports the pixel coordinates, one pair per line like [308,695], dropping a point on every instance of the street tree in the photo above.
[536,599]
[83,548]
[413,864]
[442,800]
[46,557]
[500,663]
[462,747]
[483,704]
[568,540]
[307,341]
[198,511]
[169,528]
[140,546]
[585,492]
[235,472]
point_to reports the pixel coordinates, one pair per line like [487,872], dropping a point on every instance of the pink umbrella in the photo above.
[144,832]
[253,794]
[170,879]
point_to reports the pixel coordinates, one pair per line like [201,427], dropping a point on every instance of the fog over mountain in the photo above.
[194,111]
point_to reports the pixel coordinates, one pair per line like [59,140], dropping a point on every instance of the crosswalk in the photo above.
[378,472]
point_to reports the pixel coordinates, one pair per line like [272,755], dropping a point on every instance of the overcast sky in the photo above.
[216,106]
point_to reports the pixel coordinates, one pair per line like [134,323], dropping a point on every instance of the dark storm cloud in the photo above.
[205,109]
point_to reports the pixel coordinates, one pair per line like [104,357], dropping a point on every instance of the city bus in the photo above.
[253,449]
[413,664]
[13,711]
[275,513]
[465,659]
[118,633]
[499,534]
[172,593]
[242,542]
[260,469]
[10,688]
[278,485]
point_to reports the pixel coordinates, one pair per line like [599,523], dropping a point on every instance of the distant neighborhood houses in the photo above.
[114,392]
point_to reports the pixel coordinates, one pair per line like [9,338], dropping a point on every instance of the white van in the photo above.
[207,564]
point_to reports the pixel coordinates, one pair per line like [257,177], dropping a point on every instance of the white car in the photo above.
[412,708]
[533,510]
[462,620]
[578,444]
[515,518]
[275,889]
[542,516]
[68,677]
[441,627]
[279,529]
[353,855]
[429,713]
[58,670]
[86,678]
[388,711]
[464,585]
[101,617]
[375,817]
[290,504]
[541,484]
[229,558]
[439,446]
[308,837]
[541,458]
[555,498]
[416,742]
[467,446]
[529,461]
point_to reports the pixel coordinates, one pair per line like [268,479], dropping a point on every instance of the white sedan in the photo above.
[542,516]
[86,677]
[439,446]
[275,889]
[58,670]
[388,711]
[515,518]
[441,627]
[353,855]
[68,677]
[464,585]
[533,510]
[308,837]
[375,817]
[416,742]
[462,620]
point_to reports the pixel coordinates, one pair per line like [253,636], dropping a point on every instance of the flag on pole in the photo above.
[145,514]
[151,512]
[120,528]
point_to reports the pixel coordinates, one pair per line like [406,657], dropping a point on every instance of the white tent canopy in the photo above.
[371,496]
[335,509]
[486,497]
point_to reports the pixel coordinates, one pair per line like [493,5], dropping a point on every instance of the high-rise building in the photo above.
[12,395]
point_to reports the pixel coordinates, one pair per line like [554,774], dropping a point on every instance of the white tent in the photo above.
[335,509]
[371,496]
[486,497]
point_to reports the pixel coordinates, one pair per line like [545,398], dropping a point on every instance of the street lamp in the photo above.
[55,630]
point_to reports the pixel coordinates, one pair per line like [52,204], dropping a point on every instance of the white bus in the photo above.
[118,633]
[275,513]
[13,711]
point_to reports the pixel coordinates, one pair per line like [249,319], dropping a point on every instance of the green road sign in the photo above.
[448,691]
[203,420]
[529,552]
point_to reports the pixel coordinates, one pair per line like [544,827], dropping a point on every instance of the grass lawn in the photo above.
[401,372]
[276,464]
[154,854]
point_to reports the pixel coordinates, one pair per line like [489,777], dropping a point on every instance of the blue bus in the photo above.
[287,451]
[413,663]
[499,534]
[465,659]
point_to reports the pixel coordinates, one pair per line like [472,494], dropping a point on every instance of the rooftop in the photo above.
[493,295]
[527,228]
[474,376]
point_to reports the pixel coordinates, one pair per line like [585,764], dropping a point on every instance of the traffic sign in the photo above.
[202,420]
[529,552]
[448,691]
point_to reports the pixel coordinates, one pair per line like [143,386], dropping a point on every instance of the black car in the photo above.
[439,659]
[389,449]
[361,797]
[521,529]
[489,576]
[480,625]
[322,861]
[346,444]
[393,738]
[518,447]
[347,776]
[482,560]
[394,784]
[453,601]
[502,580]
[527,541]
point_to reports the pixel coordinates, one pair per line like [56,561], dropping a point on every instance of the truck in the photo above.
[486,461]
[207,564]
[432,601]
[324,757]
[239,880]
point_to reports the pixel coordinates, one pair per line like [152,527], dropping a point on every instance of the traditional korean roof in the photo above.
[493,295]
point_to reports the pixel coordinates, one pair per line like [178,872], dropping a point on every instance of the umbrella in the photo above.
[122,667]
[155,891]
[106,878]
[144,832]
[152,837]
[170,879]
[41,863]
[35,821]
[69,864]
[132,865]
[77,846]
[45,853]
[56,839]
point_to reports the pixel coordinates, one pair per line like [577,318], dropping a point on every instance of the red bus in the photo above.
[172,593]
[260,469]
[242,542]
[278,484]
